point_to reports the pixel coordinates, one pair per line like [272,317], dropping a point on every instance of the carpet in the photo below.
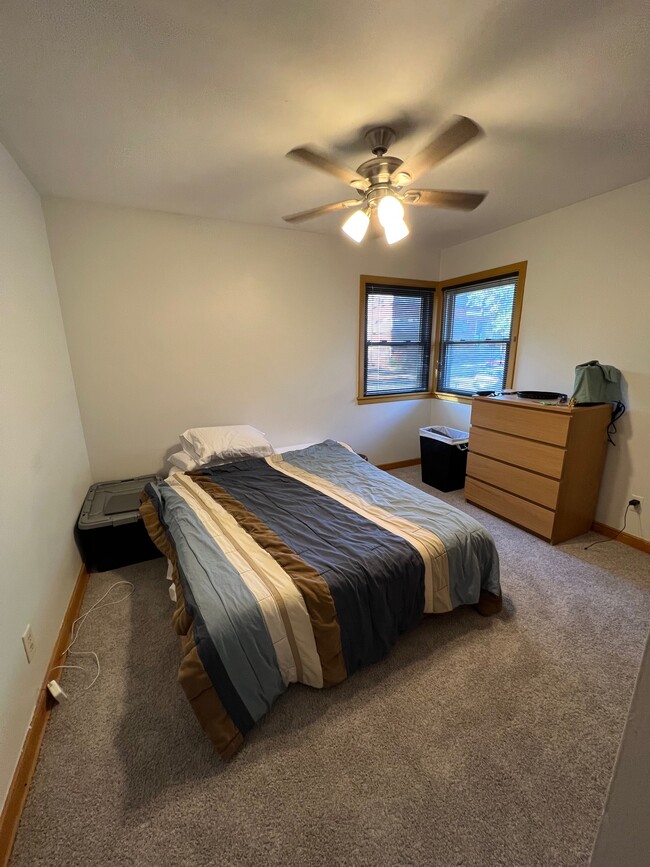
[477,741]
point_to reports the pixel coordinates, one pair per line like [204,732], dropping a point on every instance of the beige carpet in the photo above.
[476,742]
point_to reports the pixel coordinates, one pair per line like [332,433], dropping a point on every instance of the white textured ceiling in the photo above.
[190,105]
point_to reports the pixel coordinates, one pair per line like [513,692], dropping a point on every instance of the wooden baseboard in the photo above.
[26,766]
[626,538]
[396,465]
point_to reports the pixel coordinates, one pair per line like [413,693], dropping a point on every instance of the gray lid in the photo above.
[109,504]
[449,435]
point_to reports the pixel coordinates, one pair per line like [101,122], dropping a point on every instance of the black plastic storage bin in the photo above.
[110,532]
[443,451]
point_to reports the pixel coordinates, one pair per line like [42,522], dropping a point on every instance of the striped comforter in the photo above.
[303,567]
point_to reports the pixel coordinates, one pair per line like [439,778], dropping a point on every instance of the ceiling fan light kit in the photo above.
[356,225]
[379,181]
[390,211]
[394,232]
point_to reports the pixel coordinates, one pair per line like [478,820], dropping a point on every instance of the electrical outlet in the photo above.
[28,643]
[640,499]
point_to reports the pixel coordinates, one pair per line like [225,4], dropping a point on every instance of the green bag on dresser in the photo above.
[599,383]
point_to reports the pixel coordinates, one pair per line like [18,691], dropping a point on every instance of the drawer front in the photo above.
[522,421]
[531,486]
[528,515]
[538,457]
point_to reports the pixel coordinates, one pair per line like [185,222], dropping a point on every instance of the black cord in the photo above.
[614,538]
[617,412]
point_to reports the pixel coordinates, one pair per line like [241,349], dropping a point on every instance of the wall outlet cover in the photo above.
[28,643]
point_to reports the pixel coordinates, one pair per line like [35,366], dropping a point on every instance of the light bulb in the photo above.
[390,211]
[396,231]
[356,226]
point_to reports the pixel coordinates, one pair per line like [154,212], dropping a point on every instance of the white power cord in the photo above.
[53,686]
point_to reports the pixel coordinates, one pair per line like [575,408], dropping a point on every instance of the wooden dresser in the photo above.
[537,466]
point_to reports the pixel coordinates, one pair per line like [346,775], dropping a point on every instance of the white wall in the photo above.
[587,296]
[174,322]
[45,470]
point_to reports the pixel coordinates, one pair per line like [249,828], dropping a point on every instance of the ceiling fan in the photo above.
[380,182]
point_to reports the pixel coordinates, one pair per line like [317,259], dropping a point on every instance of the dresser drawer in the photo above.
[528,515]
[522,421]
[523,483]
[531,455]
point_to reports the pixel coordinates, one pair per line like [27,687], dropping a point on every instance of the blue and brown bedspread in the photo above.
[304,567]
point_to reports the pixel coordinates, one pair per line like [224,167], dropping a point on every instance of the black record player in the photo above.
[542,395]
[528,395]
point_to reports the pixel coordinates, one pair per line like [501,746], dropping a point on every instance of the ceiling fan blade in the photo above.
[444,199]
[323,209]
[320,160]
[461,131]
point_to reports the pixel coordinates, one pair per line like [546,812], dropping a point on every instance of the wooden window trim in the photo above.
[436,331]
[393,281]
[490,274]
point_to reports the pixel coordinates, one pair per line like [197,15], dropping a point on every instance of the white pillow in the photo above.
[182,461]
[225,443]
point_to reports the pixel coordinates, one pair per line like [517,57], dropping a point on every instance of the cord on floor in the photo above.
[76,629]
[614,538]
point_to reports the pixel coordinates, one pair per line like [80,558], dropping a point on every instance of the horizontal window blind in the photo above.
[476,335]
[398,325]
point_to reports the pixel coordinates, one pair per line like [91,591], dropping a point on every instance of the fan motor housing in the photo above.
[379,169]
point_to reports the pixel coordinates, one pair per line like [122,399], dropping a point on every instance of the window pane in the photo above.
[396,369]
[483,314]
[394,317]
[475,337]
[398,339]
[473,367]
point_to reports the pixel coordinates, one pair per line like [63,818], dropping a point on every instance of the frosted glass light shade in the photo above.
[396,231]
[389,211]
[356,226]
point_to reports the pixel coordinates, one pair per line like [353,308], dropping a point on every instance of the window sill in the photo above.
[388,398]
[455,398]
[418,395]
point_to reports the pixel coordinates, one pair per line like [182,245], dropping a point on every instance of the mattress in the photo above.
[303,567]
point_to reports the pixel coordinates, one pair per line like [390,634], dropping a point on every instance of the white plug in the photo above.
[56,692]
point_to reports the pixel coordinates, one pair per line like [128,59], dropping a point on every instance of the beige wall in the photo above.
[175,322]
[587,296]
[45,470]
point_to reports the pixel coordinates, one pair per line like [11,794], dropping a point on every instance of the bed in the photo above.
[303,567]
